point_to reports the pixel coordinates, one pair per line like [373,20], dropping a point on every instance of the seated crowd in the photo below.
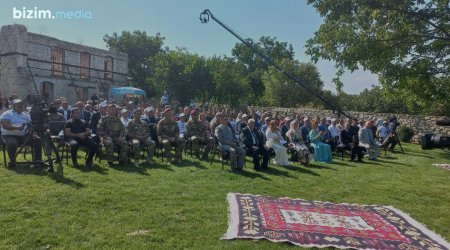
[131,128]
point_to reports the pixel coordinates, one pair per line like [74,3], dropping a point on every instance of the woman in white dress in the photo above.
[274,141]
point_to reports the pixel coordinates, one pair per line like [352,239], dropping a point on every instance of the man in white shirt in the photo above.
[334,130]
[367,140]
[14,132]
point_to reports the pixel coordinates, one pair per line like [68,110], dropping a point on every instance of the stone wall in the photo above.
[420,124]
[20,48]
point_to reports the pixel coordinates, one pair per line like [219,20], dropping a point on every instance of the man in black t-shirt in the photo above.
[78,134]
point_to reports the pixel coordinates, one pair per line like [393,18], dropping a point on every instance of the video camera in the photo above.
[39,111]
[430,141]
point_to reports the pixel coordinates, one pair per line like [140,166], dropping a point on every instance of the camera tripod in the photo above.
[47,145]
[395,135]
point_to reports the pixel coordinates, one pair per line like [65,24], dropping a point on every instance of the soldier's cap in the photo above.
[124,111]
[288,118]
[333,119]
[166,110]
[103,104]
[306,119]
[181,115]
[194,112]
[244,115]
[17,101]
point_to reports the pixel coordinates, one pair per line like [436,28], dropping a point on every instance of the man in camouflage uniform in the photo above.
[169,135]
[197,134]
[112,131]
[139,133]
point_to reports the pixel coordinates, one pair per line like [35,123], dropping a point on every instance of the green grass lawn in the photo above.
[185,206]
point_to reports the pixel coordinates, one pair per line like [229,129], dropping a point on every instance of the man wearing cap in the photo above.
[112,132]
[169,135]
[228,142]
[124,117]
[139,133]
[14,123]
[197,134]
[182,125]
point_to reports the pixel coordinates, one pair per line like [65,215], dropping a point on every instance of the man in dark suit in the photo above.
[254,145]
[85,115]
[64,110]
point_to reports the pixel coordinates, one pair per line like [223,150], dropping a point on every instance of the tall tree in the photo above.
[406,42]
[255,65]
[231,85]
[283,92]
[140,47]
[182,74]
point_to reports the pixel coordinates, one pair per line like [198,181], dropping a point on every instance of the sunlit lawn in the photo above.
[184,206]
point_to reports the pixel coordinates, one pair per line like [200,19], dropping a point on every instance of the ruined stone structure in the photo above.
[32,63]
[419,123]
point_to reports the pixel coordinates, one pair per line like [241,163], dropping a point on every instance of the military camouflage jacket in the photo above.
[137,129]
[111,126]
[195,128]
[168,128]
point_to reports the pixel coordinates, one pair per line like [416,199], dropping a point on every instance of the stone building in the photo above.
[32,63]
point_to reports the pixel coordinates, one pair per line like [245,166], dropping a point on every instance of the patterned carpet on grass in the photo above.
[324,224]
[444,166]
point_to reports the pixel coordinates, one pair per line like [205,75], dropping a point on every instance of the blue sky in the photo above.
[290,21]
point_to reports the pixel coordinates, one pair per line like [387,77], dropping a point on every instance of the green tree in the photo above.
[230,84]
[140,47]
[256,66]
[283,92]
[405,42]
[182,74]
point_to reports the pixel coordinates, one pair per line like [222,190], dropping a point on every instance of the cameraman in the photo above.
[391,138]
[14,132]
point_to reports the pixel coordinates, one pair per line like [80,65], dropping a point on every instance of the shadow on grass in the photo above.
[392,162]
[162,166]
[130,169]
[298,169]
[40,171]
[312,165]
[94,168]
[191,163]
[343,163]
[66,181]
[252,175]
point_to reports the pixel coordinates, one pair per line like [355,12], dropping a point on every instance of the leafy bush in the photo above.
[405,133]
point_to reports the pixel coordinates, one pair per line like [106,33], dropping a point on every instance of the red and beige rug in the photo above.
[444,166]
[324,224]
